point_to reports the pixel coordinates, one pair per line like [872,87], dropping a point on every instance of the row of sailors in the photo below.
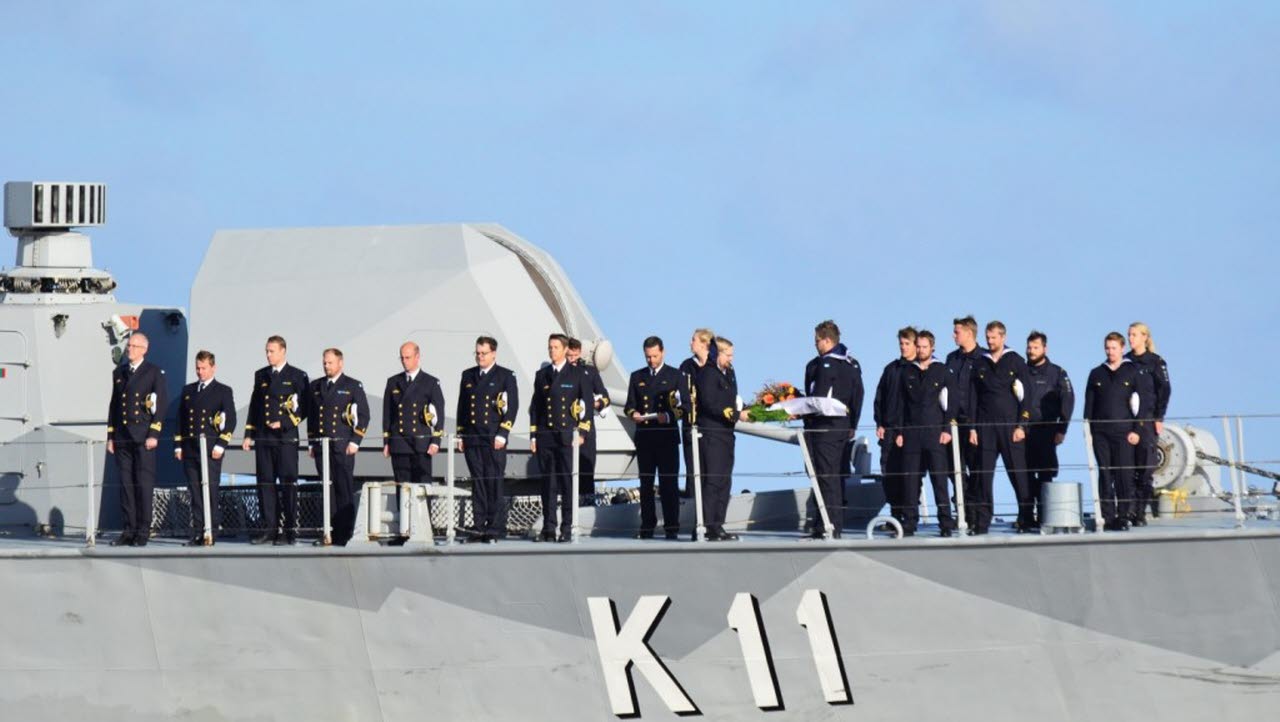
[915,399]
[1018,411]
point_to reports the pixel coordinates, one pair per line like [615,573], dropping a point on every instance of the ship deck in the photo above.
[1199,526]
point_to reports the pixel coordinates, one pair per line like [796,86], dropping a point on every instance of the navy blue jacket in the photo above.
[838,375]
[921,407]
[488,403]
[652,393]
[412,413]
[1107,400]
[282,397]
[689,369]
[717,397]
[991,392]
[561,402]
[210,413]
[962,364]
[1050,397]
[134,414]
[887,404]
[340,413]
[1155,366]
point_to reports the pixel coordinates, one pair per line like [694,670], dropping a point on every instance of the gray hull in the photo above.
[1175,626]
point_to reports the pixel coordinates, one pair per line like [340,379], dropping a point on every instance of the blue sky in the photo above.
[757,167]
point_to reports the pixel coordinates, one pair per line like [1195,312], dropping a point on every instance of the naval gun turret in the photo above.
[61,332]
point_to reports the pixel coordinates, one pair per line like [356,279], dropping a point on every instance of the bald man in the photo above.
[412,418]
[134,418]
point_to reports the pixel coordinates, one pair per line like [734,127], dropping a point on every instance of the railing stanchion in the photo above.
[90,512]
[207,534]
[700,529]
[1237,476]
[957,480]
[1093,477]
[824,518]
[451,504]
[577,499]
[326,523]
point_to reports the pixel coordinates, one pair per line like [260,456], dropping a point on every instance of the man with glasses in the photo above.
[488,401]
[134,417]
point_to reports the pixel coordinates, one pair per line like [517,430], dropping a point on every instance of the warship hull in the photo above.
[1170,625]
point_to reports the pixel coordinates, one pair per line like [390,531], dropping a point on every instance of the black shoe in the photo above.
[944,532]
[263,539]
[140,541]
[908,532]
[124,540]
[644,534]
[195,541]
[673,535]
[1139,521]
[726,536]
[318,543]
[547,536]
[287,540]
[564,537]
[489,538]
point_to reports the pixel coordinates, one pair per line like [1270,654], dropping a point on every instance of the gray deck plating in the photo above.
[1150,623]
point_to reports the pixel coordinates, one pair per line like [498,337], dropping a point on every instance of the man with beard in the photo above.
[1051,401]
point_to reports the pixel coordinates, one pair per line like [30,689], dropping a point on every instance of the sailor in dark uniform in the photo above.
[488,400]
[835,374]
[885,407]
[998,394]
[1117,403]
[653,404]
[276,410]
[1142,351]
[338,415]
[560,406]
[412,418]
[700,350]
[207,409]
[600,402]
[719,409]
[962,361]
[1051,401]
[139,397]
[923,432]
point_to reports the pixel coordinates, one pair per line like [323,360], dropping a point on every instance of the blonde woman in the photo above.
[700,350]
[1142,351]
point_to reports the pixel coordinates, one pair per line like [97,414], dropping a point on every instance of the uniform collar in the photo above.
[280,368]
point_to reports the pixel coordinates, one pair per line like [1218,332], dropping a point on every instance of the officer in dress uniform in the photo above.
[719,409]
[1051,400]
[1142,351]
[338,416]
[134,419]
[923,432]
[560,405]
[700,350]
[207,409]
[276,410]
[962,361]
[600,402]
[998,394]
[1117,403]
[887,405]
[653,404]
[835,374]
[488,401]
[412,418]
